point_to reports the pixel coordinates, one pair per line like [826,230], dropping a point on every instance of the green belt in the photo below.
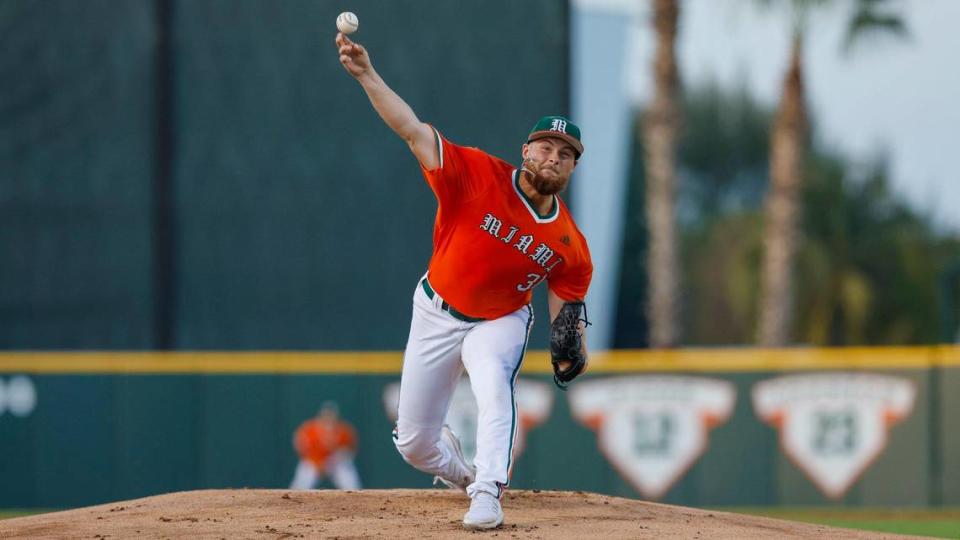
[447,307]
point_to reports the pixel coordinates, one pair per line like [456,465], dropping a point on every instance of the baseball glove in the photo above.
[566,337]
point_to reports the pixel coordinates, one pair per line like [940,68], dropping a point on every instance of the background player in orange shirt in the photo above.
[500,230]
[326,446]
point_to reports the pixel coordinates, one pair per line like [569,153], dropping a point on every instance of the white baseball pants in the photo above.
[438,349]
[341,469]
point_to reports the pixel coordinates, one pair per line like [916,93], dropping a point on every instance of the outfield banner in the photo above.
[833,426]
[652,429]
[86,428]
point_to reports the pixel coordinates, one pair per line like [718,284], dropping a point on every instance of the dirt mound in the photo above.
[262,513]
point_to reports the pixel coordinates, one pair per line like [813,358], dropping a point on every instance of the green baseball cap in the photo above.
[557,127]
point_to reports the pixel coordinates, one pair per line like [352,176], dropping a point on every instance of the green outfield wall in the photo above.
[181,174]
[112,426]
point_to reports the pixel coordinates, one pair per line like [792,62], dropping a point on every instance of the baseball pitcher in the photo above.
[500,231]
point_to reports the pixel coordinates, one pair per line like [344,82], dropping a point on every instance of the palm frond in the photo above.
[870,20]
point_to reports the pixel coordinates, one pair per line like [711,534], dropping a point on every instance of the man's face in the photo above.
[556,160]
[328,416]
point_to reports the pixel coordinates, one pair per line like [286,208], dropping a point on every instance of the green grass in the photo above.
[940,523]
[4,514]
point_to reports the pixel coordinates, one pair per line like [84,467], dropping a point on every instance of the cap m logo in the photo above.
[558,125]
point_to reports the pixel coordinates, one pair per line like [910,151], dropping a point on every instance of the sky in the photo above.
[897,96]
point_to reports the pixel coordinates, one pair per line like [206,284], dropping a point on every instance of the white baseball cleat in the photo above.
[484,513]
[466,473]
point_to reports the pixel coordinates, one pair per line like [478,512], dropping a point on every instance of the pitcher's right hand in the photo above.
[353,56]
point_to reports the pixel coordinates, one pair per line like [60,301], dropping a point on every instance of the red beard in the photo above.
[547,186]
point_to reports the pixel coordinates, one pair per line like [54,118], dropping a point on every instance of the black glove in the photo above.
[566,338]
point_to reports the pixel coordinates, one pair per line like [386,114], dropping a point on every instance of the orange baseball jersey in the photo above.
[316,440]
[490,246]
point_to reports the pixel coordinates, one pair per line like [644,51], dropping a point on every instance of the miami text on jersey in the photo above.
[542,254]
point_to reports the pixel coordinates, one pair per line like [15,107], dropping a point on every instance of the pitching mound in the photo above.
[262,513]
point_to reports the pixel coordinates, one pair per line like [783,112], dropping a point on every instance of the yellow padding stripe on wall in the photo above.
[536,362]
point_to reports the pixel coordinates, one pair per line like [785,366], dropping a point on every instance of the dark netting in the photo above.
[76,135]
[305,222]
[300,220]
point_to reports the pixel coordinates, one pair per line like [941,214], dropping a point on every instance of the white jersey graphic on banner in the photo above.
[653,428]
[833,425]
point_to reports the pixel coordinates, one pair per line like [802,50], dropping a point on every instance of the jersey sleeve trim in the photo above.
[439,140]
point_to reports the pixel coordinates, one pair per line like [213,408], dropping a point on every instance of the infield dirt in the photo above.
[276,514]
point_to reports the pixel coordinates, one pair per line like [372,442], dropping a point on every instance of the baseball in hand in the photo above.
[347,22]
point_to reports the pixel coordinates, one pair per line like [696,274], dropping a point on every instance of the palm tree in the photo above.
[787,147]
[660,130]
